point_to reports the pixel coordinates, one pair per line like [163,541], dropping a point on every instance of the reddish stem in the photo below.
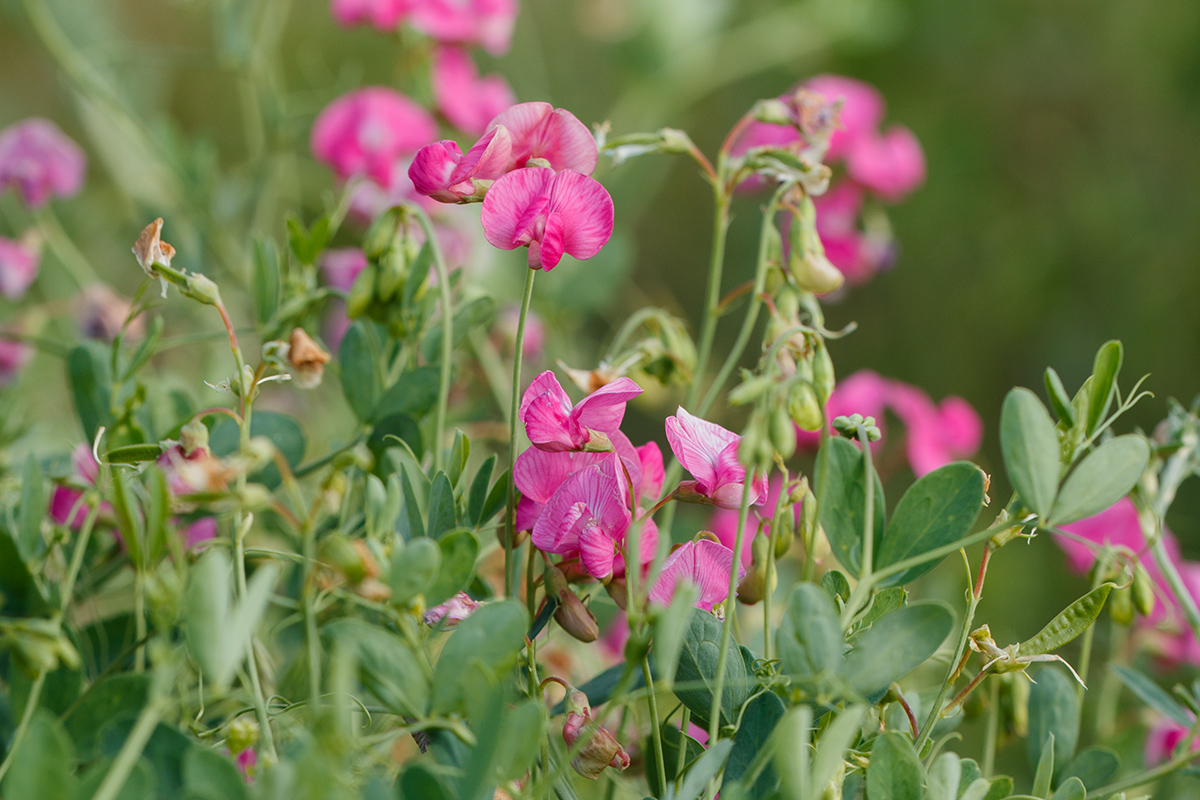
[983,565]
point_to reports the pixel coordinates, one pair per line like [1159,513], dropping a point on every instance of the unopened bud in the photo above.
[618,590]
[601,749]
[384,231]
[362,292]
[193,436]
[750,390]
[757,582]
[807,261]
[572,615]
[243,733]
[824,378]
[783,433]
[784,529]
[339,553]
[773,111]
[805,407]
[1120,605]
[1143,591]
[254,496]
[201,288]
[674,141]
[849,426]
[393,270]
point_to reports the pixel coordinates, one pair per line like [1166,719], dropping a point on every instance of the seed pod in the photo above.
[783,433]
[807,261]
[393,269]
[1120,605]
[805,407]
[1143,591]
[824,378]
[754,586]
[784,528]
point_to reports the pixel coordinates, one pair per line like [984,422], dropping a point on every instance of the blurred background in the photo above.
[1061,206]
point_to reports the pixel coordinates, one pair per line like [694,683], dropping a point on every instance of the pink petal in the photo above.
[512,205]
[541,131]
[590,497]
[432,167]
[341,266]
[487,158]
[528,511]
[891,165]
[200,531]
[365,131]
[40,161]
[586,210]
[383,14]
[18,267]
[549,427]
[697,443]
[597,552]
[539,473]
[544,384]
[961,426]
[862,110]
[705,564]
[603,409]
[488,23]
[468,102]
[653,473]
[62,501]
[13,356]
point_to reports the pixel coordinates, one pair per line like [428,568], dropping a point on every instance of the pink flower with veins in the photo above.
[705,564]
[442,172]
[587,517]
[40,161]
[13,356]
[709,452]
[862,110]
[366,131]
[549,213]
[383,14]
[19,261]
[1161,741]
[891,165]
[555,135]
[653,474]
[468,101]
[553,424]
[488,23]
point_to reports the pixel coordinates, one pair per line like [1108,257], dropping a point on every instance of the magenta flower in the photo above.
[891,165]
[201,531]
[862,110]
[587,517]
[705,564]
[452,612]
[40,161]
[19,261]
[13,356]
[937,434]
[1163,739]
[65,498]
[383,14]
[366,131]
[441,171]
[555,135]
[468,101]
[553,424]
[653,474]
[488,23]
[549,213]
[710,453]
[247,763]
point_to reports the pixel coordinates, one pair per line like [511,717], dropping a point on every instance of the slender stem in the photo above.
[868,550]
[712,301]
[131,751]
[311,633]
[655,732]
[714,720]
[991,733]
[510,509]
[139,619]
[439,262]
[681,755]
[76,264]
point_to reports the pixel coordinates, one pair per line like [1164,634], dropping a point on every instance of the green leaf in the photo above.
[670,626]
[884,602]
[908,637]
[492,637]
[835,584]
[413,514]
[809,639]
[832,747]
[1104,379]
[308,244]
[703,770]
[420,782]
[212,773]
[1101,479]
[945,776]
[1045,765]
[441,507]
[267,280]
[479,490]
[468,316]
[460,451]
[388,430]
[414,394]
[217,635]
[34,502]
[414,569]
[937,510]
[22,595]
[360,378]
[1152,694]
[841,501]
[108,698]
[1060,401]
[459,549]
[42,766]
[496,499]
[91,386]
[1029,444]
[673,739]
[1094,767]
[133,454]
[761,716]
[521,739]
[1053,712]
[895,771]
[1070,789]
[140,784]
[1070,622]
[283,431]
[387,666]
[129,516]
[697,671]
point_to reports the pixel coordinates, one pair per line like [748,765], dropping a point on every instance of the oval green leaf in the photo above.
[895,772]
[1102,478]
[459,551]
[1104,378]
[809,640]
[841,501]
[360,379]
[896,645]
[1053,710]
[1029,444]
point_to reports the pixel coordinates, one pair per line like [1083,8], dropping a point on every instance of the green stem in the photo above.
[991,733]
[712,302]
[76,265]
[510,510]
[131,751]
[655,733]
[714,723]
[139,619]
[311,633]
[869,518]
[681,755]
[439,262]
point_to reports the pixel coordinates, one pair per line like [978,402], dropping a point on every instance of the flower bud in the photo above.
[824,379]
[254,497]
[340,553]
[383,233]
[804,407]
[572,615]
[1120,605]
[362,292]
[757,582]
[783,433]
[750,390]
[784,529]
[193,436]
[601,749]
[201,288]
[243,733]
[617,589]
[1143,591]
[809,266]
[773,111]
[393,270]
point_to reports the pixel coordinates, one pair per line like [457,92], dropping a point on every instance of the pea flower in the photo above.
[19,261]
[383,14]
[587,517]
[366,131]
[862,109]
[40,161]
[442,172]
[453,611]
[85,471]
[101,314]
[553,424]
[856,253]
[554,135]
[723,522]
[891,164]
[706,565]
[710,453]
[549,213]
[601,750]
[468,101]
[937,434]
[1162,741]
[488,23]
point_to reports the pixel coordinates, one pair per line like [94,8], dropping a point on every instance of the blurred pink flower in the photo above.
[891,165]
[101,314]
[612,643]
[366,131]
[247,761]
[340,266]
[488,23]
[506,331]
[40,161]
[710,453]
[549,213]
[452,612]
[468,101]
[553,424]
[19,261]
[64,498]
[723,522]
[705,564]
[587,517]
[199,532]
[383,14]
[1161,741]
[442,172]
[862,110]
[1116,526]
[539,130]
[13,356]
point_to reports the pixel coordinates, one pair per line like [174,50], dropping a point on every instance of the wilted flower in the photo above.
[553,424]
[451,612]
[601,750]
[468,101]
[19,261]
[488,23]
[383,14]
[307,359]
[705,564]
[150,249]
[710,453]
[40,161]
[365,132]
[549,213]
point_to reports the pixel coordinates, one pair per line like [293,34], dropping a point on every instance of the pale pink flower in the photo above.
[549,213]
[442,172]
[602,749]
[937,434]
[553,424]
[452,612]
[366,131]
[891,164]
[341,266]
[101,314]
[862,110]
[13,356]
[705,564]
[587,517]
[1161,741]
[506,331]
[487,23]
[40,161]
[555,135]
[19,261]
[653,474]
[468,101]
[710,453]
[201,531]
[383,14]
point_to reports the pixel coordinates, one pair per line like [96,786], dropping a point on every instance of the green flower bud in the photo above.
[393,269]
[362,291]
[201,288]
[804,407]
[824,378]
[1120,605]
[783,433]
[384,231]
[806,260]
[1143,591]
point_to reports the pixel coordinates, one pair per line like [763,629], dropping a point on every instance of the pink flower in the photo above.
[506,332]
[201,531]
[555,135]
[705,564]
[442,172]
[340,266]
[1116,526]
[651,459]
[587,517]
[13,356]
[65,498]
[723,523]
[101,314]
[549,213]
[1163,738]
[452,612]
[862,110]
[39,160]
[19,260]
[709,452]
[602,750]
[383,14]
[364,132]
[488,23]
[938,434]
[246,763]
[553,424]
[468,101]
[891,165]
[856,254]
